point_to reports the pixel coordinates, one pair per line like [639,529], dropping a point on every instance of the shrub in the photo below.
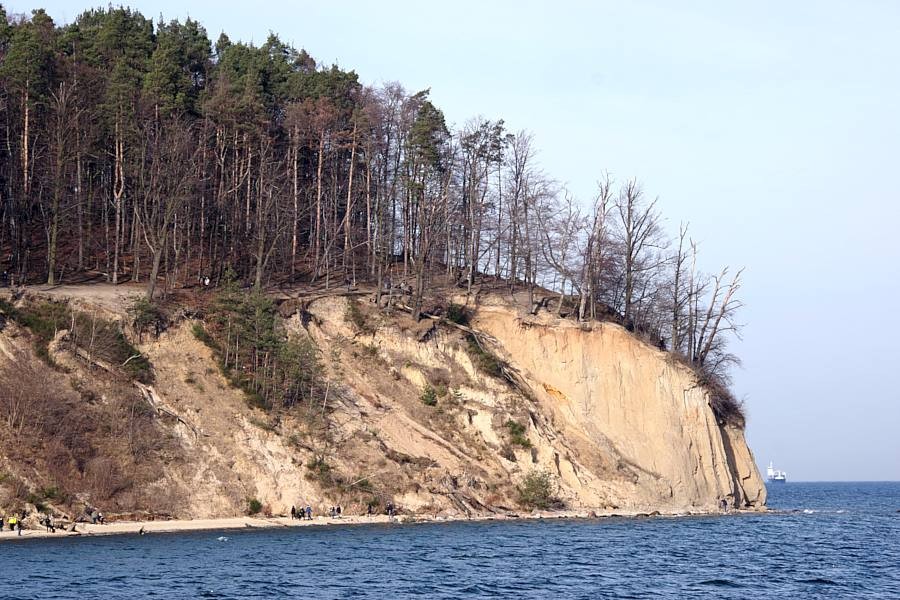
[100,338]
[355,315]
[517,434]
[146,316]
[264,424]
[104,478]
[322,473]
[52,493]
[319,467]
[726,407]
[253,506]
[484,361]
[459,314]
[43,319]
[200,333]
[364,486]
[538,491]
[429,396]
[104,340]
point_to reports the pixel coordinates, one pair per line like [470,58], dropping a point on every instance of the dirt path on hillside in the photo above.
[115,298]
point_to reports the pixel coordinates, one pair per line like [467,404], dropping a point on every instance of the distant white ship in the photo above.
[774,475]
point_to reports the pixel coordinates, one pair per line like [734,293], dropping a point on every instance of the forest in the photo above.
[142,151]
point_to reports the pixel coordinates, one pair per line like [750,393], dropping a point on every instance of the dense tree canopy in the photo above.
[144,152]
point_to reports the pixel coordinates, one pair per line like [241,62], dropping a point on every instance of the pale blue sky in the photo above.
[772,127]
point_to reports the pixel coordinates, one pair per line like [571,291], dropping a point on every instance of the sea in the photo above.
[822,540]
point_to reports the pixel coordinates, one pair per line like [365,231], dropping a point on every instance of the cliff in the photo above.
[419,414]
[642,430]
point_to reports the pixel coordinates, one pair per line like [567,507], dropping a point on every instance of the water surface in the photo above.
[834,540]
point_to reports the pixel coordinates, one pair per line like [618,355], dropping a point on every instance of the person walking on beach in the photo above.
[293,512]
[308,512]
[338,511]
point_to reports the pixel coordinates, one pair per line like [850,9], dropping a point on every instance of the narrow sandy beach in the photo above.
[243,523]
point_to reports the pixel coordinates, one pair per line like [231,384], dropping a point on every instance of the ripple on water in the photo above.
[827,551]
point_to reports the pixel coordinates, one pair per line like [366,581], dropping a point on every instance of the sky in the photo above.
[773,128]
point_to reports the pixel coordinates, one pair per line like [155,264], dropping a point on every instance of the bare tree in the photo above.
[680,297]
[641,237]
[719,318]
[595,248]
[65,115]
[169,179]
[561,225]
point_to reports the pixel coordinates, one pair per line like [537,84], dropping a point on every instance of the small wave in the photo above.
[809,511]
[721,583]
[222,538]
[820,581]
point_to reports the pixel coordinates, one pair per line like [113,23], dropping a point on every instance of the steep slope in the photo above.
[637,418]
[616,425]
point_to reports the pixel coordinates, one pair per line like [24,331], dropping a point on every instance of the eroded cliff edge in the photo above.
[636,419]
[616,424]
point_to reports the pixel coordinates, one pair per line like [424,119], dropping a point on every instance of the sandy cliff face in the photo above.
[633,417]
[617,425]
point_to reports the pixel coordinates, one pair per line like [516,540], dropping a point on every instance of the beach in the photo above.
[254,522]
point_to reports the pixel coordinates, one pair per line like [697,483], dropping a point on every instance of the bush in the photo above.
[355,315]
[429,396]
[146,316]
[104,340]
[457,313]
[200,333]
[484,361]
[538,491]
[253,506]
[728,409]
[319,468]
[517,434]
[43,319]
[100,338]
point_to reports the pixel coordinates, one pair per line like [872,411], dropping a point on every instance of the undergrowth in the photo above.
[517,434]
[484,361]
[255,354]
[99,338]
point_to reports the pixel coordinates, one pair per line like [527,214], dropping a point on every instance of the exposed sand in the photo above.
[232,523]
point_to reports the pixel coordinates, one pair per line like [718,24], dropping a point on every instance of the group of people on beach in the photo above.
[336,512]
[388,510]
[47,521]
[301,513]
[14,522]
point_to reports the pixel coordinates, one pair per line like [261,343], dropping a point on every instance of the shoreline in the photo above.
[248,522]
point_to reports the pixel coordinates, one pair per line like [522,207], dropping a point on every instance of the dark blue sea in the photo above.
[828,540]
